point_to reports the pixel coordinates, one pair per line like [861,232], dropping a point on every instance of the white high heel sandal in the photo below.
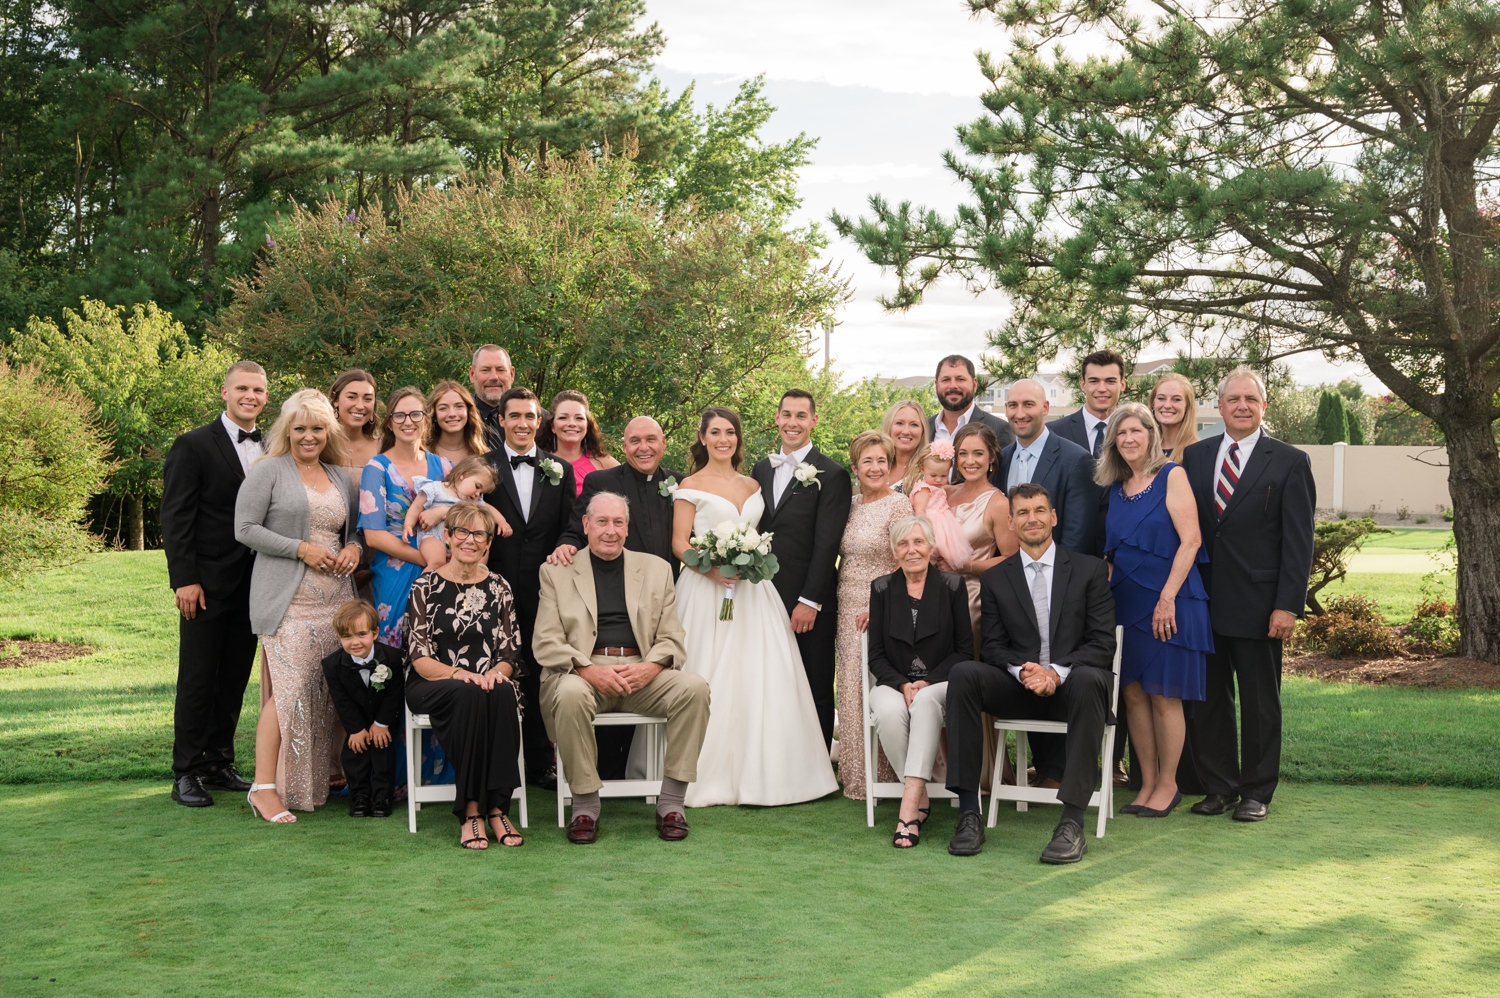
[285,817]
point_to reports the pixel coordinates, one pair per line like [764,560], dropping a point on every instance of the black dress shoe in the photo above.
[1215,804]
[968,837]
[359,806]
[545,780]
[189,792]
[1067,846]
[226,778]
[1250,810]
[382,806]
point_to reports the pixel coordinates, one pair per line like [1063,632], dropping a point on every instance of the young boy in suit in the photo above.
[366,680]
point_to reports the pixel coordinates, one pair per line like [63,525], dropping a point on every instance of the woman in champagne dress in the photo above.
[864,556]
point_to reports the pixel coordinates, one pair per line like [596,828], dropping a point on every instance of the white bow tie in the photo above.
[780,460]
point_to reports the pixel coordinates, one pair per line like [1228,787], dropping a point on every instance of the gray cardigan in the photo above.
[272,518]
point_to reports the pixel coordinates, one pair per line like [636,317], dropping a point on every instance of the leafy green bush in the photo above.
[1434,628]
[1351,625]
[1334,543]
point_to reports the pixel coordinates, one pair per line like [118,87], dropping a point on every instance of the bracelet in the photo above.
[454,673]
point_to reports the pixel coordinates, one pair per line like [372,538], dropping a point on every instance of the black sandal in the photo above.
[476,826]
[509,831]
[907,840]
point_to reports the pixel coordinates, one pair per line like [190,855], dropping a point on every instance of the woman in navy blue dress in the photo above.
[1153,545]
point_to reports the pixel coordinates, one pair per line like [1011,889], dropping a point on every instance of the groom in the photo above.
[807,504]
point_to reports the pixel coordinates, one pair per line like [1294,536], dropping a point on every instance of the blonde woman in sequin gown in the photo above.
[864,556]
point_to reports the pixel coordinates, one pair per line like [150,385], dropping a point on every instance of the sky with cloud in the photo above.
[881,84]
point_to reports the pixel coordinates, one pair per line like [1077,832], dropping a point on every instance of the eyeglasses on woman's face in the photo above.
[465,534]
[415,416]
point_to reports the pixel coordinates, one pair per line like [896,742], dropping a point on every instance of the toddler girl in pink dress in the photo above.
[929,499]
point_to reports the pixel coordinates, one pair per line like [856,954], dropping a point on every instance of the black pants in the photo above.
[215,652]
[478,732]
[1247,765]
[1082,701]
[372,771]
[818,647]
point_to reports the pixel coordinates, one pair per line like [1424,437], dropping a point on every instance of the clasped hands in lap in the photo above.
[1042,680]
[619,680]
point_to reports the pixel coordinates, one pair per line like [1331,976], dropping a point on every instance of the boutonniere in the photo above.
[806,474]
[379,677]
[552,469]
[667,487]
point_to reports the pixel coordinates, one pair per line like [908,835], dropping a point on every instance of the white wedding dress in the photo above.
[763,745]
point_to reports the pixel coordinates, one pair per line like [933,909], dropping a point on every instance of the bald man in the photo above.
[643,481]
[1062,467]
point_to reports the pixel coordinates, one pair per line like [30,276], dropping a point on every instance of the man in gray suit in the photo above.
[956,385]
[1044,458]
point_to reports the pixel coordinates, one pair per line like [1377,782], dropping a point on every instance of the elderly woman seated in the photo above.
[919,629]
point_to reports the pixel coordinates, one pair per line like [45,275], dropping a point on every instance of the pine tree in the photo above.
[1332,422]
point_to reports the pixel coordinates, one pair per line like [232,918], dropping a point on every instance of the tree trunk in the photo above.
[137,522]
[1474,484]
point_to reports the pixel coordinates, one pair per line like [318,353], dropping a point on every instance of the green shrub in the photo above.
[1334,543]
[1434,628]
[1351,625]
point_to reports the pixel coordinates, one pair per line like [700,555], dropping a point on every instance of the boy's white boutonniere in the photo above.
[552,469]
[667,486]
[806,474]
[379,677]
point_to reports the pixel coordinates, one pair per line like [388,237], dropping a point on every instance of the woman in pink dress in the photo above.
[572,433]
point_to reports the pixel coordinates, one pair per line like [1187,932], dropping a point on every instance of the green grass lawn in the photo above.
[1390,568]
[1380,889]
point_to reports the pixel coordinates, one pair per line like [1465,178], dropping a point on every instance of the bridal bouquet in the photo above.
[738,552]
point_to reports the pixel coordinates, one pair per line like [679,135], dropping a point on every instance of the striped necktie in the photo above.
[1229,477]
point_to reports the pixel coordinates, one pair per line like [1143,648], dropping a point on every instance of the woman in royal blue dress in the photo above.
[1153,545]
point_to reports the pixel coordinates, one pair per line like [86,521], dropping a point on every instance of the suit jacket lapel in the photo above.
[1260,458]
[583,581]
[508,478]
[1047,459]
[635,584]
[538,482]
[1017,575]
[1007,455]
[766,476]
[1203,476]
[226,449]
[928,622]
[1061,569]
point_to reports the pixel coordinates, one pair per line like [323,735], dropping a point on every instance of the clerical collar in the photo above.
[641,475]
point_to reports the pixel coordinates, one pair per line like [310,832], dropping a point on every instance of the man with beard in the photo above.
[956,386]
[490,375]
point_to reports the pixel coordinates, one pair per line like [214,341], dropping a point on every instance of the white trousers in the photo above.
[910,737]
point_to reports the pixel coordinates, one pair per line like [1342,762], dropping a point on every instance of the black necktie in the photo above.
[1098,438]
[251,435]
[520,459]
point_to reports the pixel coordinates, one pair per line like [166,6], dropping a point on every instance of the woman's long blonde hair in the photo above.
[315,405]
[914,467]
[1112,467]
[1187,430]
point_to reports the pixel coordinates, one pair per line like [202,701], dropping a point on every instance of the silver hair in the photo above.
[903,526]
[1246,373]
[491,346]
[1112,467]
[615,496]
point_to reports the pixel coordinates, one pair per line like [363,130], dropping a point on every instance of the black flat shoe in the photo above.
[359,806]
[968,837]
[1250,810]
[226,778]
[1215,804]
[189,792]
[1160,812]
[1131,808]
[1067,846]
[381,808]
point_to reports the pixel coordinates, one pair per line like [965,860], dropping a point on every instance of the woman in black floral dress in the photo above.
[465,646]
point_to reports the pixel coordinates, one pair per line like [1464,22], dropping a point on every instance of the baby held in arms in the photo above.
[929,498]
[469,480]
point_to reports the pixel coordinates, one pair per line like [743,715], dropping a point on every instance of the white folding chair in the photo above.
[874,792]
[418,793]
[1103,798]
[655,731]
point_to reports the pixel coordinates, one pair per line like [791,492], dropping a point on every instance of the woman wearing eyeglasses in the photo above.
[385,494]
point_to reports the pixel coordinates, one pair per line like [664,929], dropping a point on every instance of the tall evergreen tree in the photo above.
[1333,422]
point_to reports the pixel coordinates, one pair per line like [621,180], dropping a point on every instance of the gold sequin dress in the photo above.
[864,556]
[295,656]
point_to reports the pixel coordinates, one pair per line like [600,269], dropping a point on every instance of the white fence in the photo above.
[1357,479]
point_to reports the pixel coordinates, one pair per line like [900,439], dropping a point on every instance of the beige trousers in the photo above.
[569,705]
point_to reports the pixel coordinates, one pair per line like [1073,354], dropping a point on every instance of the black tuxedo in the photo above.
[1066,471]
[359,706]
[201,480]
[518,558]
[943,635]
[807,528]
[1082,636]
[1259,557]
[650,511]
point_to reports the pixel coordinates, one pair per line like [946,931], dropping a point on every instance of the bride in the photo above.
[763,744]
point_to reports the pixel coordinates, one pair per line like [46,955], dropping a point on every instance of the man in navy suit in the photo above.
[1042,457]
[1102,379]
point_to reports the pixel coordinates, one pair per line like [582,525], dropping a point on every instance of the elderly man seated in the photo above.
[608,639]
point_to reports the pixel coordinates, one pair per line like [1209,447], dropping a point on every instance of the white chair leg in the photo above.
[1023,762]
[413,774]
[521,762]
[869,766]
[562,791]
[1107,780]
[998,771]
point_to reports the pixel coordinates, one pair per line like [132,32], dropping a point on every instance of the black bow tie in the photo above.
[250,435]
[520,459]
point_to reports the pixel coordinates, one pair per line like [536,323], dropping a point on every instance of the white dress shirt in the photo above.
[249,450]
[1092,424]
[525,476]
[1047,560]
[1246,446]
[782,476]
[940,429]
[1024,461]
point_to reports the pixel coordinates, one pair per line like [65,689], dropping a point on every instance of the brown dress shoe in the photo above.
[583,830]
[672,826]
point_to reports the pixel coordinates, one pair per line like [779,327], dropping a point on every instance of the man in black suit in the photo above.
[643,481]
[210,573]
[534,492]
[1255,507]
[1060,672]
[1038,455]
[490,375]
[956,385]
[806,519]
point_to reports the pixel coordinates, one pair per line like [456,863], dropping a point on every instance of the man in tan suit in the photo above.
[608,639]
